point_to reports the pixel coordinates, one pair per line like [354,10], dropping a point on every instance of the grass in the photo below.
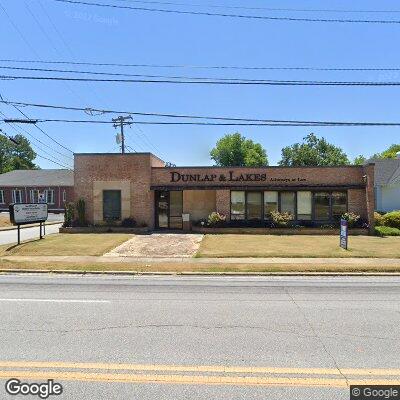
[67,245]
[297,246]
[4,221]
[193,267]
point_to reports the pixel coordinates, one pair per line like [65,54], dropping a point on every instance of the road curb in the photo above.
[12,228]
[189,273]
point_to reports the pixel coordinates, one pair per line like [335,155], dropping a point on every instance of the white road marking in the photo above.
[58,300]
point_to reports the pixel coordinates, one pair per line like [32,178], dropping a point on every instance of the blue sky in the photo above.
[107,35]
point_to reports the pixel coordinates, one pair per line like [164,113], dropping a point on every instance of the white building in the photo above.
[387,184]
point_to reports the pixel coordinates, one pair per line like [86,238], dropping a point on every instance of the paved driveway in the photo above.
[159,245]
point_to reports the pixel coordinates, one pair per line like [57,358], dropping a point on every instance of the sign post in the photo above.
[344,234]
[28,213]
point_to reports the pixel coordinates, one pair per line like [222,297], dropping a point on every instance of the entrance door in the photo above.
[162,206]
[169,207]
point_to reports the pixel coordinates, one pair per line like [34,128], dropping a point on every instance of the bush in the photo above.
[281,219]
[69,214]
[392,219]
[351,218]
[378,219]
[386,231]
[128,222]
[80,208]
[216,219]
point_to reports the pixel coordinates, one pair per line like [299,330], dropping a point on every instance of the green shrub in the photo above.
[69,214]
[216,219]
[281,219]
[351,218]
[128,222]
[392,219]
[80,208]
[386,231]
[378,219]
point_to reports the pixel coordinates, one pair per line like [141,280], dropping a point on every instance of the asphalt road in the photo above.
[199,337]
[10,236]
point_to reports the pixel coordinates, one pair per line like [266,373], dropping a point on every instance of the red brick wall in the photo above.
[26,195]
[135,168]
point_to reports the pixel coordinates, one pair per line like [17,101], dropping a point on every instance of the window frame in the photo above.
[244,206]
[47,191]
[14,197]
[2,197]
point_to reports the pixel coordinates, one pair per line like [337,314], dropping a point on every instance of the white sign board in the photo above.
[28,213]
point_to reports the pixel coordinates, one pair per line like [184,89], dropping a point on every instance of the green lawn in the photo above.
[90,244]
[297,246]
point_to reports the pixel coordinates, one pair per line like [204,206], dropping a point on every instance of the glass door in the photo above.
[169,207]
[162,206]
[254,206]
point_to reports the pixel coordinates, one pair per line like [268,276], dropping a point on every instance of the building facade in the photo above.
[387,184]
[52,186]
[140,186]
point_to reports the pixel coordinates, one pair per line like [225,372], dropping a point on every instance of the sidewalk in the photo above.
[354,262]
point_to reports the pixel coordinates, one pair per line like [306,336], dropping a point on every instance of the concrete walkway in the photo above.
[373,262]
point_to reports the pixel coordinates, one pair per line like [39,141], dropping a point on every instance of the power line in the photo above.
[58,162]
[181,116]
[262,8]
[235,67]
[242,16]
[247,82]
[189,66]
[37,127]
[276,123]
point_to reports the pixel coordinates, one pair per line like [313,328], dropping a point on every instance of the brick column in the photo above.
[223,202]
[370,195]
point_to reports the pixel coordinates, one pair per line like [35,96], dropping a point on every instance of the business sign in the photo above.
[231,176]
[344,234]
[28,213]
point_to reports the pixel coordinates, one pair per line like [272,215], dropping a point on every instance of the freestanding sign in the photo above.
[28,213]
[344,234]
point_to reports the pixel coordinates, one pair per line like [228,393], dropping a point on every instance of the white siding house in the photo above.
[387,184]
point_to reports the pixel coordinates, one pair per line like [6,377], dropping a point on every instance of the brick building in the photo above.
[140,186]
[54,186]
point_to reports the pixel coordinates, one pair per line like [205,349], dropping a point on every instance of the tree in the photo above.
[359,160]
[234,150]
[390,152]
[16,156]
[313,152]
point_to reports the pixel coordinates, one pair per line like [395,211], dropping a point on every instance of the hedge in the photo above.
[386,231]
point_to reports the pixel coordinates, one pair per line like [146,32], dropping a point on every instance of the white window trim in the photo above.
[2,197]
[47,196]
[64,196]
[33,197]
[14,197]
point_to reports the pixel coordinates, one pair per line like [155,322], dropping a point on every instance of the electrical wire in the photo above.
[242,16]
[234,67]
[247,82]
[181,116]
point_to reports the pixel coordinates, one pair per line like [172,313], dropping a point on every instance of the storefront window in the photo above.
[288,202]
[254,205]
[175,209]
[304,205]
[237,205]
[339,204]
[322,206]
[270,203]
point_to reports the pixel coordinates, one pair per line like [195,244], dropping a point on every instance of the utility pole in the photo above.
[120,122]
